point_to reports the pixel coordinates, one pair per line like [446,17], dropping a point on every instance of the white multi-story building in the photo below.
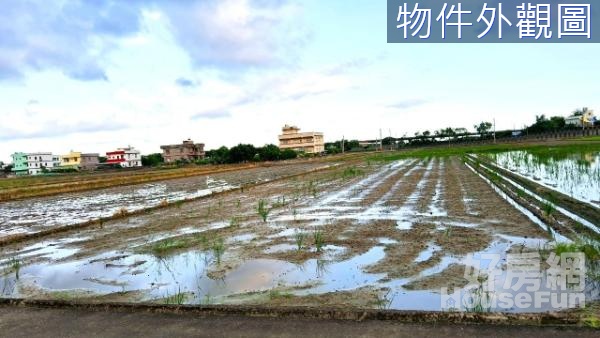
[37,162]
[126,157]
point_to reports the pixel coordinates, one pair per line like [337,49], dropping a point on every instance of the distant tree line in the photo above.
[248,153]
[237,154]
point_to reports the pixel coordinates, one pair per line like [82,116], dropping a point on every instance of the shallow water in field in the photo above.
[574,174]
[417,190]
[32,215]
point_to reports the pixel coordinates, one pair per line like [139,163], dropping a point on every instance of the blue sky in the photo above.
[95,75]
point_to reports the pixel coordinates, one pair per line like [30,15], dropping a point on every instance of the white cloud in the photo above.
[235,32]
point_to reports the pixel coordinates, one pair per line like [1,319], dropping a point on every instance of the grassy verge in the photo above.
[460,150]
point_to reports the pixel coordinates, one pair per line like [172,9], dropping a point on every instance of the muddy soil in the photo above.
[390,234]
[43,213]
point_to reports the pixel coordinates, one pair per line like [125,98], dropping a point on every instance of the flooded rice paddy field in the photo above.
[32,215]
[574,174]
[367,235]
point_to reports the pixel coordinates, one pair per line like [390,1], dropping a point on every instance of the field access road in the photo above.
[26,321]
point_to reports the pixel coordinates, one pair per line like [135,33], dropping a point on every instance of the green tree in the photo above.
[242,153]
[219,156]
[288,154]
[152,160]
[269,152]
[483,128]
[543,124]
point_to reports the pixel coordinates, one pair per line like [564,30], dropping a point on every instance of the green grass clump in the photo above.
[480,300]
[234,222]
[169,245]
[448,232]
[590,248]
[319,240]
[15,265]
[165,246]
[176,299]
[300,237]
[591,321]
[276,294]
[384,301]
[352,172]
[263,210]
[548,208]
[218,249]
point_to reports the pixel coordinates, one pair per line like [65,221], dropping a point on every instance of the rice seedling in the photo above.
[203,240]
[121,212]
[548,208]
[300,237]
[279,203]
[238,203]
[448,232]
[262,210]
[15,265]
[162,248]
[319,240]
[479,299]
[207,300]
[383,301]
[218,249]
[179,203]
[352,172]
[234,222]
[276,294]
[311,189]
[176,299]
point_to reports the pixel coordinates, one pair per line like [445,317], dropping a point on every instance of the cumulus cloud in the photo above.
[410,103]
[76,36]
[214,114]
[73,37]
[234,32]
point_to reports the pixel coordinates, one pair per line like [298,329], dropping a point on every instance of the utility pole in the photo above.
[494,130]
[342,144]
[380,140]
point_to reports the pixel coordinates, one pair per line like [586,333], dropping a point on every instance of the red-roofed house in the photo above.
[125,157]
